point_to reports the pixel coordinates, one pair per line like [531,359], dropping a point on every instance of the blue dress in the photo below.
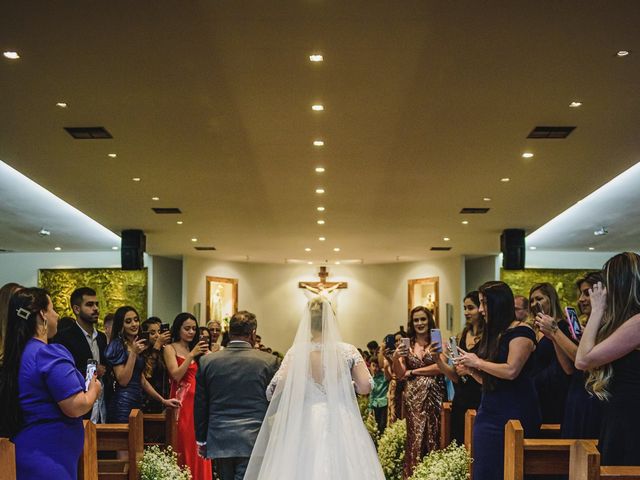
[49,444]
[582,412]
[123,399]
[510,399]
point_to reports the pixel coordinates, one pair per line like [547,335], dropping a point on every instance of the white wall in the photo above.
[165,288]
[480,270]
[374,304]
[587,260]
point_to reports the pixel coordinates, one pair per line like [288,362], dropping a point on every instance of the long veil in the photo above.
[313,428]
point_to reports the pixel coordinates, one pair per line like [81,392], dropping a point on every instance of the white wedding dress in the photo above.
[313,429]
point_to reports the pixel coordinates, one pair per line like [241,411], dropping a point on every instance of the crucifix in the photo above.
[322,285]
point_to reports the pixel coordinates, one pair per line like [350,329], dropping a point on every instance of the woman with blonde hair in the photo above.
[610,350]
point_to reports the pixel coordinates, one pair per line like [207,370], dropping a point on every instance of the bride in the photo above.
[313,429]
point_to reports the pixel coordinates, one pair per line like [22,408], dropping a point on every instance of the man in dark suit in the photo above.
[84,341]
[230,401]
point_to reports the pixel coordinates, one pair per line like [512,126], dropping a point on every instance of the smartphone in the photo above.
[436,337]
[390,341]
[92,365]
[453,347]
[574,324]
[406,342]
[164,328]
[144,336]
[536,309]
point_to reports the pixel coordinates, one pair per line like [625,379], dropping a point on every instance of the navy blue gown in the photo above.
[467,396]
[123,399]
[49,443]
[582,412]
[509,400]
[620,421]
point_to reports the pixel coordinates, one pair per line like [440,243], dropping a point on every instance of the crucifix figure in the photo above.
[322,285]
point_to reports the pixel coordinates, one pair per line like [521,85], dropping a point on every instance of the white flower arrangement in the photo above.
[391,449]
[451,463]
[158,464]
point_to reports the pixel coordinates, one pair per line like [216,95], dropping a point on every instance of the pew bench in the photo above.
[584,464]
[445,424]
[161,428]
[120,437]
[7,459]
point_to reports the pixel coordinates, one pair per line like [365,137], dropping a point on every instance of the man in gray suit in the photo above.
[230,401]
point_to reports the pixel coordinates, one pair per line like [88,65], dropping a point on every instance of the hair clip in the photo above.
[23,313]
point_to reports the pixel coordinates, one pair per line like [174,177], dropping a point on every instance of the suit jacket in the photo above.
[230,401]
[73,338]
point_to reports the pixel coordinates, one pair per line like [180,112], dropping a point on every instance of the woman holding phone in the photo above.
[416,361]
[124,357]
[181,358]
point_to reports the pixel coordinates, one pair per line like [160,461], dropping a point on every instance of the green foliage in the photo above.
[391,449]
[451,463]
[158,464]
[372,427]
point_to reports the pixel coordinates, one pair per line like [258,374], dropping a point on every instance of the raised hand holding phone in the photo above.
[92,365]
[436,337]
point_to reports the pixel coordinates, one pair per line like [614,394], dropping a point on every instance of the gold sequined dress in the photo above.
[423,397]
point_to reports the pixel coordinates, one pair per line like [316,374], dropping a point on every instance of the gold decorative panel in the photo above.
[564,281]
[114,288]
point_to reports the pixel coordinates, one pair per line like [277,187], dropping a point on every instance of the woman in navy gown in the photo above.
[610,350]
[503,366]
[42,394]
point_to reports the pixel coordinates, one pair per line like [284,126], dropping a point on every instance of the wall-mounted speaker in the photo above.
[512,247]
[134,243]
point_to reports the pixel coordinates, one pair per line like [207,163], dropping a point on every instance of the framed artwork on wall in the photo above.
[424,291]
[222,299]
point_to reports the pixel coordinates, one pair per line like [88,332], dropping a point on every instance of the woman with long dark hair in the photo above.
[424,388]
[42,394]
[181,358]
[124,357]
[503,366]
[610,350]
[6,292]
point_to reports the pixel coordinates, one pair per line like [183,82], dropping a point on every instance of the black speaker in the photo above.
[134,244]
[512,247]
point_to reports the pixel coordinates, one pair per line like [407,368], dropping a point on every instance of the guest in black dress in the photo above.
[467,390]
[610,350]
[504,366]
[551,381]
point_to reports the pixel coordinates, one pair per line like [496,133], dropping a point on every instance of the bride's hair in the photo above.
[315,308]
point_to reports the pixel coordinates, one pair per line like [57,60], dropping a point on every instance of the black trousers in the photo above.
[380,414]
[232,468]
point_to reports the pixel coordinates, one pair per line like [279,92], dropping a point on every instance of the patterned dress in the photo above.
[423,396]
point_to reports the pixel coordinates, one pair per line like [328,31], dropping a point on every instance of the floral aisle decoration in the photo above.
[451,463]
[368,418]
[391,448]
[158,464]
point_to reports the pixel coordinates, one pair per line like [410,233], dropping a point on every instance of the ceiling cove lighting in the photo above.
[317,108]
[11,55]
[319,191]
[316,57]
[575,104]
[318,143]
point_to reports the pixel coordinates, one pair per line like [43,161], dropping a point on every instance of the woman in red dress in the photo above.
[181,359]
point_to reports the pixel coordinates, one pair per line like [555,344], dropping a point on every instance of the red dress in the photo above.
[186,447]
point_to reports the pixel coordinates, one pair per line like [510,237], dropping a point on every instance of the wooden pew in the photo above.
[584,464]
[445,424]
[469,420]
[534,456]
[7,460]
[550,430]
[161,428]
[127,437]
[88,464]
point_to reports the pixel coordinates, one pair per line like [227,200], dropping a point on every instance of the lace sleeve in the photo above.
[280,375]
[353,356]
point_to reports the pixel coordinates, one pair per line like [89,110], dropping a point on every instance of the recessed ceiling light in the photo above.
[320,190]
[591,248]
[527,155]
[532,248]
[322,239]
[11,55]
[575,104]
[309,263]
[316,57]
[619,53]
[307,249]
[112,155]
[337,263]
[505,179]
[318,143]
[317,108]
[465,222]
[320,209]
[446,239]
[155,199]
[319,169]
[179,222]
[337,249]
[320,222]
[61,105]
[194,239]
[57,249]
[136,179]
[486,199]
[114,248]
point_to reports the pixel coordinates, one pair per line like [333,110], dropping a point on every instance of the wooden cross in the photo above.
[322,285]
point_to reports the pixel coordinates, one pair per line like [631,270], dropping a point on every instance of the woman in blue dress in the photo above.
[504,367]
[42,394]
[123,355]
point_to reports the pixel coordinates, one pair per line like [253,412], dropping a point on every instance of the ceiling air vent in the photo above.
[165,211]
[88,133]
[474,210]
[551,132]
[440,249]
[205,249]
